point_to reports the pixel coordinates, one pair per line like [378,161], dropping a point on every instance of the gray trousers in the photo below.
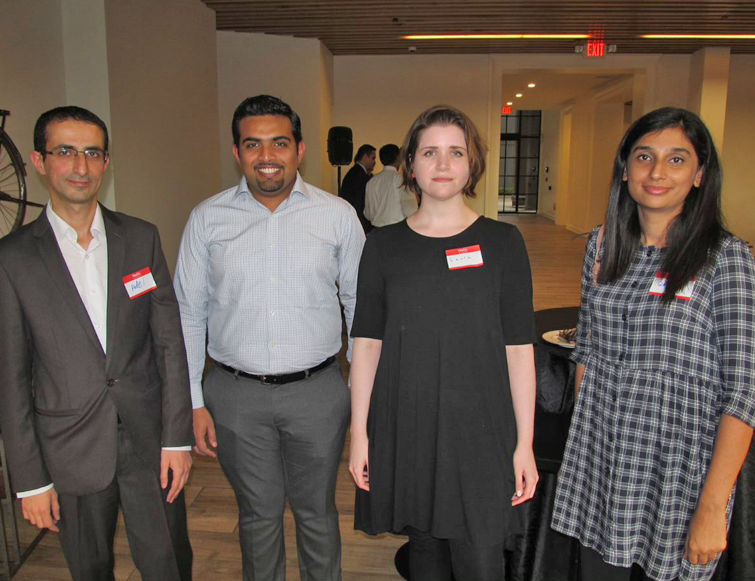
[276,442]
[156,530]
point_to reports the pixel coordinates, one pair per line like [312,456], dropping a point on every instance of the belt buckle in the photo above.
[264,380]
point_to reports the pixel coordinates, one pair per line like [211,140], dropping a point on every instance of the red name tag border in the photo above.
[133,276]
[465,250]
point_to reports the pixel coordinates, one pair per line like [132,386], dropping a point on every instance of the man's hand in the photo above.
[180,464]
[204,432]
[42,510]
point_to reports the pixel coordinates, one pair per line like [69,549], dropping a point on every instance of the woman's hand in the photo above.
[706,538]
[707,529]
[525,475]
[359,462]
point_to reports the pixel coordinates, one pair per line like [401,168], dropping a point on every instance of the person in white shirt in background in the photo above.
[386,200]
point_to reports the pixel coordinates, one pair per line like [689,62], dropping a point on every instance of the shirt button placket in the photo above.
[273,288]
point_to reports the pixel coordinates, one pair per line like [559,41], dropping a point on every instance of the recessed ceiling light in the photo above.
[509,102]
[489,36]
[531,85]
[518,95]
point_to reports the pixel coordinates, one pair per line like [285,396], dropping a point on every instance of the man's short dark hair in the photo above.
[365,149]
[264,105]
[67,113]
[389,154]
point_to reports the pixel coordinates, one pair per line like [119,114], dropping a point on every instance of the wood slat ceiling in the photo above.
[358,27]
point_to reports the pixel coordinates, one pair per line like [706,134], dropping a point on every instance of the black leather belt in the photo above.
[278,379]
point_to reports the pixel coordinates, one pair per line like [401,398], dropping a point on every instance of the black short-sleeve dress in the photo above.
[441,423]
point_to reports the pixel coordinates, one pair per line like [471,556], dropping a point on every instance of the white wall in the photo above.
[670,76]
[295,70]
[32,77]
[148,69]
[738,152]
[379,97]
[162,66]
[327,102]
[549,129]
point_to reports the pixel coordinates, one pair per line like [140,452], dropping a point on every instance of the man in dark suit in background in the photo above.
[94,391]
[355,182]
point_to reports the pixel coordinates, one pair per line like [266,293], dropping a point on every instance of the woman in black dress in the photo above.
[443,376]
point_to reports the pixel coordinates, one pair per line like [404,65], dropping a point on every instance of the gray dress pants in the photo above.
[278,441]
[156,530]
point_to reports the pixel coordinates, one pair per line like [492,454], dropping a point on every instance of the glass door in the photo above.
[518,180]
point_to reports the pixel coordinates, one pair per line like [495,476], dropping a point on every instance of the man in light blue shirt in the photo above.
[259,274]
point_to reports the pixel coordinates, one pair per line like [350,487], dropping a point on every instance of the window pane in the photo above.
[512,147]
[530,147]
[509,166]
[528,168]
[530,203]
[527,185]
[531,125]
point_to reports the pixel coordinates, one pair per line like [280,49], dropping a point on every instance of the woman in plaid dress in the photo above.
[665,364]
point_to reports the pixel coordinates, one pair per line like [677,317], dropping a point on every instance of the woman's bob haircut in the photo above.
[693,234]
[444,115]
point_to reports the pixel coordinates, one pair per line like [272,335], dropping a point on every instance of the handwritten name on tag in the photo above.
[659,287]
[466,257]
[139,283]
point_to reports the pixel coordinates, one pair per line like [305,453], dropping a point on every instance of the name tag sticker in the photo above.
[659,287]
[466,257]
[139,283]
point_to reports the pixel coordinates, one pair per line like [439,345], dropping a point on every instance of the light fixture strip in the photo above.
[490,36]
[700,36]
[571,36]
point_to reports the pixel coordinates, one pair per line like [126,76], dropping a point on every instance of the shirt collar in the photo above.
[389,168]
[300,187]
[62,229]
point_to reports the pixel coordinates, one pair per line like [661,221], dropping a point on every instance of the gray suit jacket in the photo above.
[60,394]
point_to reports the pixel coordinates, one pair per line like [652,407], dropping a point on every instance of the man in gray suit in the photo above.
[94,398]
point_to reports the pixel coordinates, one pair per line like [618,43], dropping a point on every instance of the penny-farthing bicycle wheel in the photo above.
[12,186]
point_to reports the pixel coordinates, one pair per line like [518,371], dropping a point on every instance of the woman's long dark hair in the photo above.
[692,234]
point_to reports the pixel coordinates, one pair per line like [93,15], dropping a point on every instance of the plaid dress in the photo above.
[658,377]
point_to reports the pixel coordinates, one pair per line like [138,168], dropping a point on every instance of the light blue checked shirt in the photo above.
[263,286]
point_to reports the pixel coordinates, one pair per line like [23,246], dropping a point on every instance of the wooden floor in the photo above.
[556,257]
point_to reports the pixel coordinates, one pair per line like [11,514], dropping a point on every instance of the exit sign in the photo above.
[505,110]
[595,48]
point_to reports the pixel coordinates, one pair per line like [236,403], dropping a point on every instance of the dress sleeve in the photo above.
[734,327]
[369,319]
[517,316]
[584,331]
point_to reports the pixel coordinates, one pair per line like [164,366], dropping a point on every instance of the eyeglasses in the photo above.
[90,154]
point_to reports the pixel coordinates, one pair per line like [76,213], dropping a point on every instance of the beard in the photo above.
[270,185]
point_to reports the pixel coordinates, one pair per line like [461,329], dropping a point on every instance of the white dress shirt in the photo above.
[385,201]
[263,287]
[88,269]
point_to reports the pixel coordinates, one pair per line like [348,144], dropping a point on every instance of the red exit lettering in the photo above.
[596,48]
